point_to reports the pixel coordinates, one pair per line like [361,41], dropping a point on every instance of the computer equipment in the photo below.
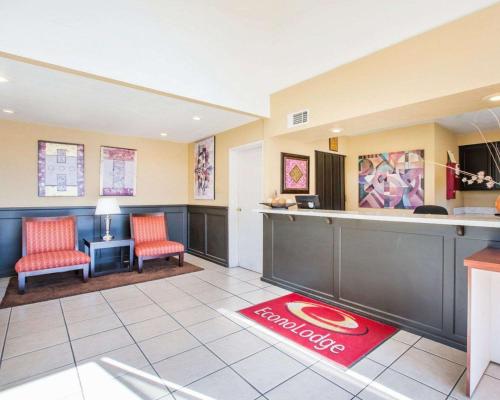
[307,201]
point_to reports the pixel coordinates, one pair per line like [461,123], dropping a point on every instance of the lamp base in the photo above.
[107,237]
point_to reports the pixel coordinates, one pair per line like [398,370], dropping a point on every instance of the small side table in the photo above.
[484,314]
[98,243]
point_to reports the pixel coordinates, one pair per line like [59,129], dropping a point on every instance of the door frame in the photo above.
[233,197]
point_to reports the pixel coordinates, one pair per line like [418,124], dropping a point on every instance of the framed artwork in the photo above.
[60,169]
[333,144]
[204,169]
[391,180]
[118,171]
[294,173]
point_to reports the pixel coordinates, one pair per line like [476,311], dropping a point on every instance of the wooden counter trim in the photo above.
[487,259]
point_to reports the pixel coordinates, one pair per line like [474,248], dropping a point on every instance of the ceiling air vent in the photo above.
[298,118]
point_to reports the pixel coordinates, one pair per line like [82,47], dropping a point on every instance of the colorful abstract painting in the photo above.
[118,171]
[60,169]
[392,180]
[294,173]
[204,169]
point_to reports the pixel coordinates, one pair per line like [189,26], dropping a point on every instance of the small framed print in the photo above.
[333,144]
[204,169]
[118,171]
[60,169]
[294,173]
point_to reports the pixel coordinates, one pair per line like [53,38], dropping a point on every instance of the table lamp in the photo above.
[107,206]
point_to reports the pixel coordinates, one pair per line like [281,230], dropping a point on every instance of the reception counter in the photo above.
[407,270]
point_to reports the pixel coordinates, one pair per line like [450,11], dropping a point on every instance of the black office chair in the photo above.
[430,210]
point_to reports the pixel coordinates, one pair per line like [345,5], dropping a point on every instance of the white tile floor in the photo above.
[180,338]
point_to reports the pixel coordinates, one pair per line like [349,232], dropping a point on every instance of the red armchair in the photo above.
[50,244]
[150,234]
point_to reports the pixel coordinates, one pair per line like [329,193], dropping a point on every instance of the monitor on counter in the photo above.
[307,201]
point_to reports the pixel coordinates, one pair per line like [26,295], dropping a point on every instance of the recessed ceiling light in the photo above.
[163,134]
[2,79]
[336,130]
[196,118]
[7,111]
[493,97]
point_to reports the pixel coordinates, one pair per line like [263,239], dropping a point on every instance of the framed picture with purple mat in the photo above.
[118,171]
[60,169]
[294,173]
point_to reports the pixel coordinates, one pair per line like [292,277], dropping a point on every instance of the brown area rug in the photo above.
[53,286]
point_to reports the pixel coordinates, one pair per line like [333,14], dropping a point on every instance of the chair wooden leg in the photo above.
[140,262]
[181,259]
[21,279]
[85,272]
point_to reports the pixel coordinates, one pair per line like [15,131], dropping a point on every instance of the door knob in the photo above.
[238,209]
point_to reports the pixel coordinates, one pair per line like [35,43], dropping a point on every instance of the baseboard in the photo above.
[208,258]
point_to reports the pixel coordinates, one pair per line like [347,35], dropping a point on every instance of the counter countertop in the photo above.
[485,221]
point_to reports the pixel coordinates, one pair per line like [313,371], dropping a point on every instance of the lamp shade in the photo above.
[107,206]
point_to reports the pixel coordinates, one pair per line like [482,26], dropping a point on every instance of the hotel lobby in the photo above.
[234,200]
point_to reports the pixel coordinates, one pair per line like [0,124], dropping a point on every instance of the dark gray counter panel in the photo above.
[208,233]
[396,273]
[294,253]
[408,274]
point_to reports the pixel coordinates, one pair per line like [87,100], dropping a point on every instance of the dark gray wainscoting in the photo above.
[89,226]
[407,274]
[208,233]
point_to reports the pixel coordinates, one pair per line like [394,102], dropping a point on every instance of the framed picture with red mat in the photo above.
[341,336]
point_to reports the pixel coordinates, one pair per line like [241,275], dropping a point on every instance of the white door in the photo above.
[248,195]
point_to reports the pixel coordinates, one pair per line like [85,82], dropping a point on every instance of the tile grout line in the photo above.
[274,347]
[423,383]
[456,384]
[212,352]
[374,379]
[421,338]
[40,373]
[243,328]
[5,338]
[246,329]
[388,367]
[139,347]
[181,326]
[39,349]
[72,352]
[416,380]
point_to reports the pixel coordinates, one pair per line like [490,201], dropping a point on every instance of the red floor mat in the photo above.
[341,336]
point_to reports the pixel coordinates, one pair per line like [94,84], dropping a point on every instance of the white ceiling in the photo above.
[46,96]
[233,53]
[464,123]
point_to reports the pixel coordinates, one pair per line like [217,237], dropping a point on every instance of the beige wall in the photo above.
[445,140]
[411,138]
[224,141]
[434,139]
[454,58]
[165,169]
[273,148]
[161,169]
[427,67]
